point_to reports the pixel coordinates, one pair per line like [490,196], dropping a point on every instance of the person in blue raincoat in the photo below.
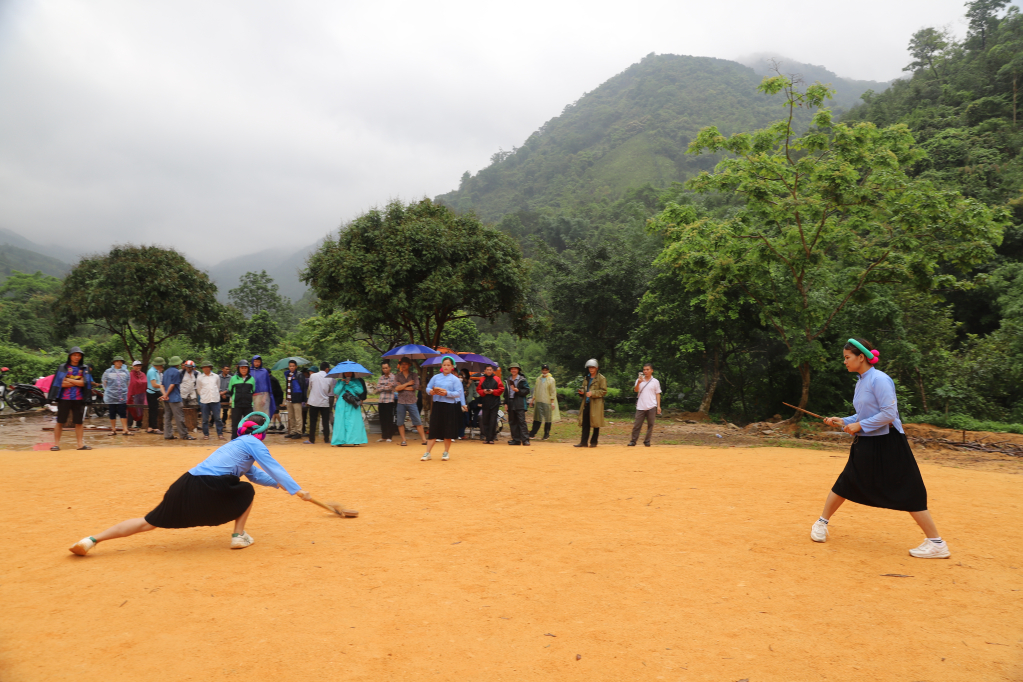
[262,397]
[349,428]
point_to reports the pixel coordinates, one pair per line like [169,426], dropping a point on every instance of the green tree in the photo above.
[144,295]
[830,216]
[407,271]
[927,46]
[462,335]
[591,290]
[257,291]
[263,332]
[982,16]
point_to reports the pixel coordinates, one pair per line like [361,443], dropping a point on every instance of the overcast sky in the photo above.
[223,128]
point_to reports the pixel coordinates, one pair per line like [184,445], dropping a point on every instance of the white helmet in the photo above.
[592,362]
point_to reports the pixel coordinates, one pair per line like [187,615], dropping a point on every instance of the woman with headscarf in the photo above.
[349,428]
[136,394]
[212,493]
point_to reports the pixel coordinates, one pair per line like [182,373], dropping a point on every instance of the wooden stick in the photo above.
[336,508]
[806,411]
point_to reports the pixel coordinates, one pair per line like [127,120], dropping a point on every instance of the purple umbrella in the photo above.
[476,361]
[435,362]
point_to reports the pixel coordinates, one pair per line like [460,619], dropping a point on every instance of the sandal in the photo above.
[55,448]
[85,447]
[404,443]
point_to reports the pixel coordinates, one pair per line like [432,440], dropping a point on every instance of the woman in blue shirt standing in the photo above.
[448,402]
[212,493]
[881,470]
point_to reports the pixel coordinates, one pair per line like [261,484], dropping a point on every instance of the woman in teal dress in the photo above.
[349,428]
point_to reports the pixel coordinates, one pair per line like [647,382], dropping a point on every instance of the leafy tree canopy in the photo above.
[144,295]
[405,272]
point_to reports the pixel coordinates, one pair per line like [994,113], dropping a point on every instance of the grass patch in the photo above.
[962,422]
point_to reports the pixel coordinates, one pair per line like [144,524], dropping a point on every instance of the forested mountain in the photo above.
[631,131]
[14,259]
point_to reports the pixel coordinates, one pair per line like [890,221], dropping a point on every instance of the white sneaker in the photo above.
[241,541]
[82,547]
[929,550]
[425,458]
[445,457]
[819,531]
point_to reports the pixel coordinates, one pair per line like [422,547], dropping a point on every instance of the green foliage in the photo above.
[263,333]
[26,366]
[26,309]
[145,295]
[405,272]
[831,216]
[962,422]
[462,335]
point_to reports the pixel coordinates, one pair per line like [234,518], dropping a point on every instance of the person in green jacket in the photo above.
[240,390]
[545,403]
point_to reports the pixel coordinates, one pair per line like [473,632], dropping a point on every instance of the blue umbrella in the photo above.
[435,362]
[413,351]
[349,366]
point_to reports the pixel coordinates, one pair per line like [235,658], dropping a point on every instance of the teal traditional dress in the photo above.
[349,428]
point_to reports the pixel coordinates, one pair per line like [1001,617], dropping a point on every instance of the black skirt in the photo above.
[445,420]
[202,501]
[882,472]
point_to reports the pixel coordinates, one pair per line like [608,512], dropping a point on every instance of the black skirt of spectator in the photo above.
[882,472]
[445,420]
[202,501]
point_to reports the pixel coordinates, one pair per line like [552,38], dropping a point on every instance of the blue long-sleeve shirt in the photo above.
[236,458]
[452,384]
[875,403]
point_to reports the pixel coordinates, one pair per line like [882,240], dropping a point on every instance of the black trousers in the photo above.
[488,422]
[387,425]
[536,429]
[315,413]
[153,401]
[517,425]
[238,412]
[586,428]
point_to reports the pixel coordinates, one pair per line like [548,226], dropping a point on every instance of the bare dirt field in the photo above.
[547,562]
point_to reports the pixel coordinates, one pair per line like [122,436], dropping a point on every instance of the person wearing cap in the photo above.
[545,403]
[154,392]
[71,389]
[115,382]
[591,412]
[173,412]
[242,389]
[516,389]
[189,396]
[136,395]
[208,387]
[211,493]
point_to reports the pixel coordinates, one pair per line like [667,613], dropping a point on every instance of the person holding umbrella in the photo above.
[349,429]
[448,398]
[591,412]
[407,388]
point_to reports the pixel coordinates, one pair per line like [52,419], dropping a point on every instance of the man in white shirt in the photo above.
[648,404]
[207,385]
[321,390]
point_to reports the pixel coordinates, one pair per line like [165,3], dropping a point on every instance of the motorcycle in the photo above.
[20,397]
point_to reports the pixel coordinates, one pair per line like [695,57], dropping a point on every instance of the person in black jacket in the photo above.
[295,387]
[489,389]
[516,390]
[241,391]
[278,394]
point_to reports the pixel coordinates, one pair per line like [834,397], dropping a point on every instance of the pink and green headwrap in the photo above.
[871,355]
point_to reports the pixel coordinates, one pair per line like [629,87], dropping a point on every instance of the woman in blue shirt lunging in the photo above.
[211,493]
[881,471]
[448,404]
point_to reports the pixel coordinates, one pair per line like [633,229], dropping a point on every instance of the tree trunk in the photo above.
[804,398]
[923,394]
[1014,79]
[712,385]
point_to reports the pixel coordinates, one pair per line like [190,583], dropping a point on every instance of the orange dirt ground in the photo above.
[538,563]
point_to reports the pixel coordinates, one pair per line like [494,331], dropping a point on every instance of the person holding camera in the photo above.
[648,404]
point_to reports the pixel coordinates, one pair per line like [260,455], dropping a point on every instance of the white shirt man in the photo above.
[207,385]
[648,404]
[321,389]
